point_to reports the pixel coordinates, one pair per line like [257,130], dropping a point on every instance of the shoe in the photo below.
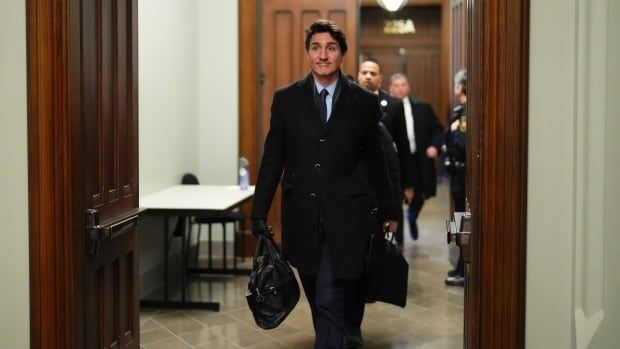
[353,338]
[456,280]
[453,272]
[414,231]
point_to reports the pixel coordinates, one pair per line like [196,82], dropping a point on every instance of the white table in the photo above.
[186,201]
[196,198]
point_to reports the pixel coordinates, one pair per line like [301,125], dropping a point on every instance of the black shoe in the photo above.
[456,280]
[453,272]
[353,338]
[414,230]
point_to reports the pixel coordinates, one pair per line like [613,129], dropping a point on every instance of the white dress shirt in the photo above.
[409,124]
[331,89]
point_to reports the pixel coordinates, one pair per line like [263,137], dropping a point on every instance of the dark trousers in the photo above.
[414,211]
[458,198]
[354,306]
[326,296]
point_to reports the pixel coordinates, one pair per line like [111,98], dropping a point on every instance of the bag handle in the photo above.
[265,241]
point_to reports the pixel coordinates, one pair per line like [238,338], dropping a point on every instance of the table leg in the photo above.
[166,248]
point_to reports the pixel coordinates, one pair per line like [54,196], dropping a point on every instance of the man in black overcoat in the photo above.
[370,77]
[323,146]
[425,135]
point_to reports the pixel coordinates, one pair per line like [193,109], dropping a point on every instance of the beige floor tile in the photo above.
[271,344]
[298,340]
[154,335]
[219,344]
[202,336]
[172,343]
[149,325]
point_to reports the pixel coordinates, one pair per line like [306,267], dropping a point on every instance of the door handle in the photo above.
[452,231]
[459,229]
[96,233]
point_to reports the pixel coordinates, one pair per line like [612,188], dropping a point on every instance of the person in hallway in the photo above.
[370,77]
[324,147]
[455,150]
[425,137]
[354,298]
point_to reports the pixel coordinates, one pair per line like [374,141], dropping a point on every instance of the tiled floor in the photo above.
[433,317]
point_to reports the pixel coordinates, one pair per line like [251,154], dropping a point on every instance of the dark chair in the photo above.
[234,216]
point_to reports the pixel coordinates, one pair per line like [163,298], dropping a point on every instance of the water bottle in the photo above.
[244,173]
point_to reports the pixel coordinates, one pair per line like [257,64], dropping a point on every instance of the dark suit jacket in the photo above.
[428,131]
[326,171]
[393,165]
[394,120]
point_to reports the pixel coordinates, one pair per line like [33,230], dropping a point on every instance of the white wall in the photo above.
[14,272]
[188,71]
[573,175]
[167,92]
[188,92]
[218,81]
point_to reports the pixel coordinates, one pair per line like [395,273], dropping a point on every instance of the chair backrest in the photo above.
[189,178]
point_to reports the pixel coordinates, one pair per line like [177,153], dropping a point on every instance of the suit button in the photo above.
[312,195]
[322,139]
[317,166]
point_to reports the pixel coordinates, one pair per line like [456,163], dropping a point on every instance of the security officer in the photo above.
[455,162]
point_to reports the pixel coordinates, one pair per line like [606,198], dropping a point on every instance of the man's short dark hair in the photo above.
[327,26]
[372,60]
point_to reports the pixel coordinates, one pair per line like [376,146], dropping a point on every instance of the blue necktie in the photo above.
[323,105]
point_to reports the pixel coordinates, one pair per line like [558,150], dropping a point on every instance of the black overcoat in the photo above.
[394,121]
[326,172]
[428,131]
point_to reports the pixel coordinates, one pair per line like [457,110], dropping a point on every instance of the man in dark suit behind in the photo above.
[370,77]
[425,135]
[324,147]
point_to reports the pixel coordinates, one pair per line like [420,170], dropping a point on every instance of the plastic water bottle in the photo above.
[244,173]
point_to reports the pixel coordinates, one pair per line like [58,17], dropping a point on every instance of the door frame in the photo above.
[56,230]
[499,54]
[497,181]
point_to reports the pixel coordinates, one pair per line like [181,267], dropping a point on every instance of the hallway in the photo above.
[433,317]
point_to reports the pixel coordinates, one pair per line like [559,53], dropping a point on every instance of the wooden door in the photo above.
[496,187]
[283,58]
[83,160]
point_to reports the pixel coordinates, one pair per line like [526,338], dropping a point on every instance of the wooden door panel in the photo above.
[111,155]
[283,59]
[111,277]
[110,118]
[83,142]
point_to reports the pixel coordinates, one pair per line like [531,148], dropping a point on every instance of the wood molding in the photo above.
[53,307]
[498,120]
[248,100]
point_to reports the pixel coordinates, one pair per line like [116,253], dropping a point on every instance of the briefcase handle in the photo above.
[389,235]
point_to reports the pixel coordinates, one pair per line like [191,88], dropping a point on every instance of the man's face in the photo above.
[369,76]
[458,89]
[399,88]
[325,57]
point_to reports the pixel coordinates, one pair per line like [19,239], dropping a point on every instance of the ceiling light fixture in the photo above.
[392,5]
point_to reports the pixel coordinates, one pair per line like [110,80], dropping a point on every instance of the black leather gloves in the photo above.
[259,227]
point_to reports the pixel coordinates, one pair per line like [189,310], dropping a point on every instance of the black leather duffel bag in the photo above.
[273,291]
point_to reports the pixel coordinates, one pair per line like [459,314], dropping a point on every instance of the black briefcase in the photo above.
[386,271]
[272,291]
